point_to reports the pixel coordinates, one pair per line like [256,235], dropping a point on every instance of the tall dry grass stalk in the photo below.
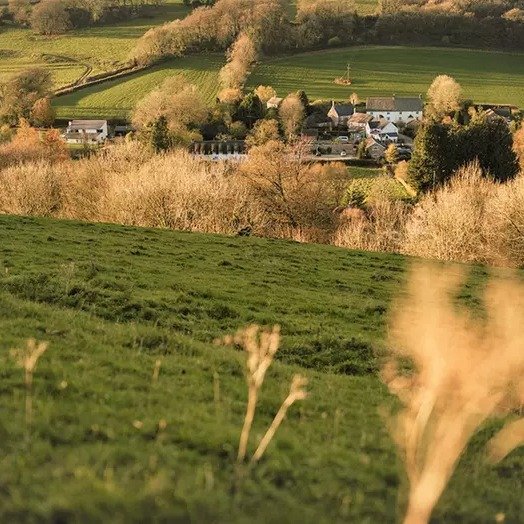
[465,370]
[27,358]
[296,392]
[260,347]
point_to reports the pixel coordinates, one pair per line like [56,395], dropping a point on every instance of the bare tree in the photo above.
[241,56]
[50,18]
[444,96]
[265,93]
[177,100]
[21,10]
[292,113]
[264,131]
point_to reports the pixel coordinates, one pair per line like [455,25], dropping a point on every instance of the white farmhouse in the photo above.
[273,102]
[395,108]
[382,131]
[86,131]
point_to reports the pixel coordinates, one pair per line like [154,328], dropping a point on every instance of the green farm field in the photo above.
[116,98]
[108,442]
[484,75]
[92,50]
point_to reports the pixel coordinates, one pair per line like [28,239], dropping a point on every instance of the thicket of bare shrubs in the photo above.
[274,193]
[470,219]
[128,184]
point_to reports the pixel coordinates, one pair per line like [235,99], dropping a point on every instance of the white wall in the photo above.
[396,116]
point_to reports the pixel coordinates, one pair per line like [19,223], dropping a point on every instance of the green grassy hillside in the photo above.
[485,76]
[93,49]
[112,300]
[116,98]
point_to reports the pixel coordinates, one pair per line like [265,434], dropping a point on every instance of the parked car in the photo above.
[342,138]
[343,153]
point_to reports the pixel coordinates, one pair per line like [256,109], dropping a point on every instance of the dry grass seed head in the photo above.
[465,370]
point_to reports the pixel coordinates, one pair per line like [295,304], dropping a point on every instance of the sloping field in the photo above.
[485,76]
[109,443]
[116,98]
[96,49]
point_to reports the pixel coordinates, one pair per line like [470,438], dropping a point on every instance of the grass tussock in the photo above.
[465,370]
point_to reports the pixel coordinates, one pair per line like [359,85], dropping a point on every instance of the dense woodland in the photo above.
[321,24]
[215,25]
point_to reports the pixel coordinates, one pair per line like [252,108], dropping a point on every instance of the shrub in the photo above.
[50,17]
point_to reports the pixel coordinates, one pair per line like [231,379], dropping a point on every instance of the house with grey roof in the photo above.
[340,113]
[395,108]
[86,132]
[382,131]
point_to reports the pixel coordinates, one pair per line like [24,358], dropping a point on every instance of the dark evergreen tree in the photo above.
[250,110]
[305,100]
[440,149]
[432,158]
[160,137]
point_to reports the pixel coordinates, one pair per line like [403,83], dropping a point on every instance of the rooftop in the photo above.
[360,118]
[87,124]
[394,103]
[343,109]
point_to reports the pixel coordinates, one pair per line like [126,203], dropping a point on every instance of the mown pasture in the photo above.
[69,56]
[486,76]
[109,442]
[116,98]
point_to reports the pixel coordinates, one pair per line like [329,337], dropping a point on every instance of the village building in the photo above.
[395,108]
[359,120]
[86,132]
[374,149]
[382,131]
[340,113]
[357,123]
[273,102]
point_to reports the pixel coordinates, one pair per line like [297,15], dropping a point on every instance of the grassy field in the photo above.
[112,300]
[116,98]
[485,76]
[96,49]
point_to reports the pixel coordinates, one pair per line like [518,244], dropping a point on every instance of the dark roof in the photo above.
[343,109]
[87,124]
[317,118]
[372,142]
[394,103]
[380,124]
[360,118]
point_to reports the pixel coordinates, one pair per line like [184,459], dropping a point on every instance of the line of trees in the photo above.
[53,17]
[27,96]
[332,23]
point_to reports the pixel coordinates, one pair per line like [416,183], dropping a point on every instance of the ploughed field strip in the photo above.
[107,439]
